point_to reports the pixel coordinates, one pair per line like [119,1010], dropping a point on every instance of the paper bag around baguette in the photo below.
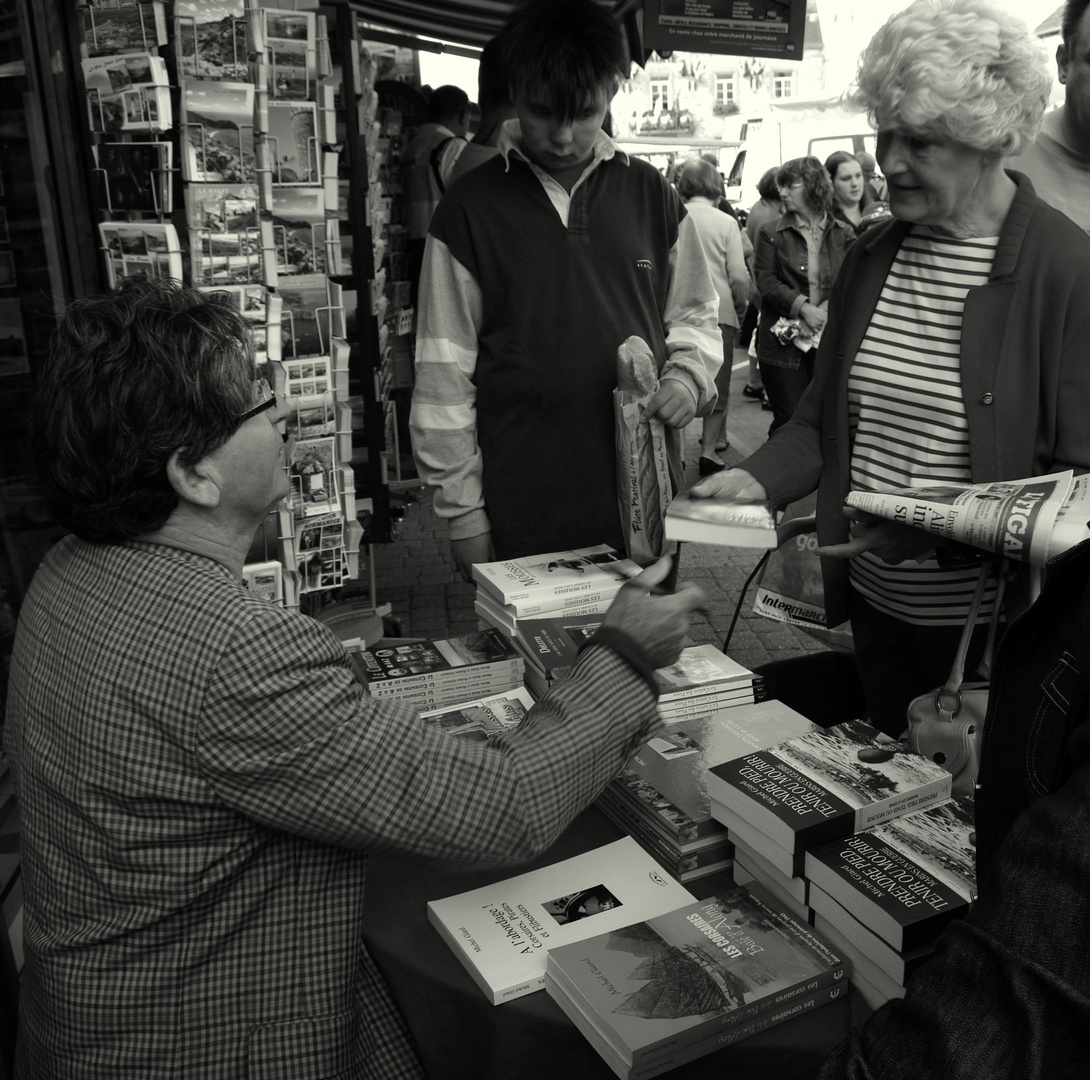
[643,459]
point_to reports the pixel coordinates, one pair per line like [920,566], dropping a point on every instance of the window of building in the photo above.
[660,91]
[783,86]
[725,89]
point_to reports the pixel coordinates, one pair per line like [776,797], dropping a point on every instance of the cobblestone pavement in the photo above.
[415,574]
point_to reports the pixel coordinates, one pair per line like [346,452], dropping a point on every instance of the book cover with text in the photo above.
[689,974]
[827,785]
[502,932]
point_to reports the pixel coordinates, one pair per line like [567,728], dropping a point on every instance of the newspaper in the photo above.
[1032,519]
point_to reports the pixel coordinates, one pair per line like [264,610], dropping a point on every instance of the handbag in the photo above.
[946,724]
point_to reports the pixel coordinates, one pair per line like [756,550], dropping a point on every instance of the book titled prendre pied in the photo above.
[689,977]
[502,932]
[904,879]
[824,786]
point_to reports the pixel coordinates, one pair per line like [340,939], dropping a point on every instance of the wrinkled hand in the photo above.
[729,484]
[472,549]
[892,543]
[673,403]
[659,624]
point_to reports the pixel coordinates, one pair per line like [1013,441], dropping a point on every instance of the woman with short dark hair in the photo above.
[797,259]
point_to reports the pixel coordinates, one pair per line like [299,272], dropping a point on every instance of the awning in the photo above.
[473,22]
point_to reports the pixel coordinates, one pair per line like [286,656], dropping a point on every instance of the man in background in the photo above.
[874,186]
[427,163]
[494,98]
[535,273]
[1058,164]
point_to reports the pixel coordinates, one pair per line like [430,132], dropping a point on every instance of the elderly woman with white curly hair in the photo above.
[957,346]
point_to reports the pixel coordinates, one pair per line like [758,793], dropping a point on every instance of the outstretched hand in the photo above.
[657,623]
[729,484]
[892,543]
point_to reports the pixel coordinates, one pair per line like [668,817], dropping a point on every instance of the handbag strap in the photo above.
[957,670]
[985,668]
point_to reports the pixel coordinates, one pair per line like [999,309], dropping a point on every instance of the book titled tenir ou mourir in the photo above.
[826,785]
[904,879]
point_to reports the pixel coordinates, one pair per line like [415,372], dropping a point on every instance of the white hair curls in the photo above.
[963,71]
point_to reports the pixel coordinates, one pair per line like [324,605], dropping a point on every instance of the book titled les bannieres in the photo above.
[824,786]
[686,977]
[502,932]
[904,879]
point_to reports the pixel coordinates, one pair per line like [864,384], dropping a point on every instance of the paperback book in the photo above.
[904,879]
[485,718]
[719,521]
[666,779]
[697,706]
[410,662]
[699,670]
[689,975]
[867,950]
[798,888]
[744,874]
[826,785]
[1032,519]
[508,616]
[682,1055]
[701,858]
[873,985]
[556,574]
[502,932]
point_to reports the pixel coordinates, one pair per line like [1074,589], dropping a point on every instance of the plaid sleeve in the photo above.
[291,739]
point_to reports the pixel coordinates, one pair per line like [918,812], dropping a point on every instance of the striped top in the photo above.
[907,415]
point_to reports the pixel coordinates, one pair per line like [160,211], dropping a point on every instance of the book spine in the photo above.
[742,684]
[585,603]
[490,672]
[683,1054]
[673,824]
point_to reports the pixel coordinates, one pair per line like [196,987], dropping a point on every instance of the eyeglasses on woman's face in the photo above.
[265,400]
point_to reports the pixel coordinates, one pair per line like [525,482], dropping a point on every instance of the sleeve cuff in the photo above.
[628,650]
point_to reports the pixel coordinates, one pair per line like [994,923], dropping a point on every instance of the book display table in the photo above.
[460,1035]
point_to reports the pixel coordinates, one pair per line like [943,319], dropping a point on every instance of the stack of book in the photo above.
[501,932]
[885,894]
[651,995]
[660,798]
[703,680]
[449,671]
[483,718]
[579,582]
[792,809]
[550,645]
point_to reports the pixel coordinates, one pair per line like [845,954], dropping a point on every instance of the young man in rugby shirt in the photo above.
[539,264]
